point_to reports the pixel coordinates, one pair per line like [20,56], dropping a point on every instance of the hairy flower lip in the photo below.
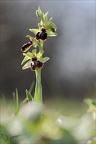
[41,34]
[40,64]
[26,46]
[38,35]
[36,64]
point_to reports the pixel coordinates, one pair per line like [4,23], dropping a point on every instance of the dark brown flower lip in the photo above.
[38,35]
[40,64]
[41,35]
[26,46]
[35,64]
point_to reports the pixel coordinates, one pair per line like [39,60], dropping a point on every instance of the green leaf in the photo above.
[24,102]
[43,60]
[31,87]
[28,95]
[4,138]
[27,65]
[16,102]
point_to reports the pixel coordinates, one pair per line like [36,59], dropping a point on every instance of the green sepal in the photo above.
[27,65]
[51,29]
[28,55]
[51,33]
[28,95]
[24,60]
[35,31]
[43,60]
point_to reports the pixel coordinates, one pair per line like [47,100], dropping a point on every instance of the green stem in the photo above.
[38,87]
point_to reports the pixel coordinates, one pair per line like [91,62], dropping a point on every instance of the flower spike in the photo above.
[34,59]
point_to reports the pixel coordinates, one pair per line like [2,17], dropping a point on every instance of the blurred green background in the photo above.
[71,71]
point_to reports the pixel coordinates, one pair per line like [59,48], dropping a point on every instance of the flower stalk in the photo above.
[38,87]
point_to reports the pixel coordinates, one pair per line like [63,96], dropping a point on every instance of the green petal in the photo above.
[39,54]
[30,37]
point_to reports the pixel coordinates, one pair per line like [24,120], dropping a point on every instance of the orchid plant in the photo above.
[34,59]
